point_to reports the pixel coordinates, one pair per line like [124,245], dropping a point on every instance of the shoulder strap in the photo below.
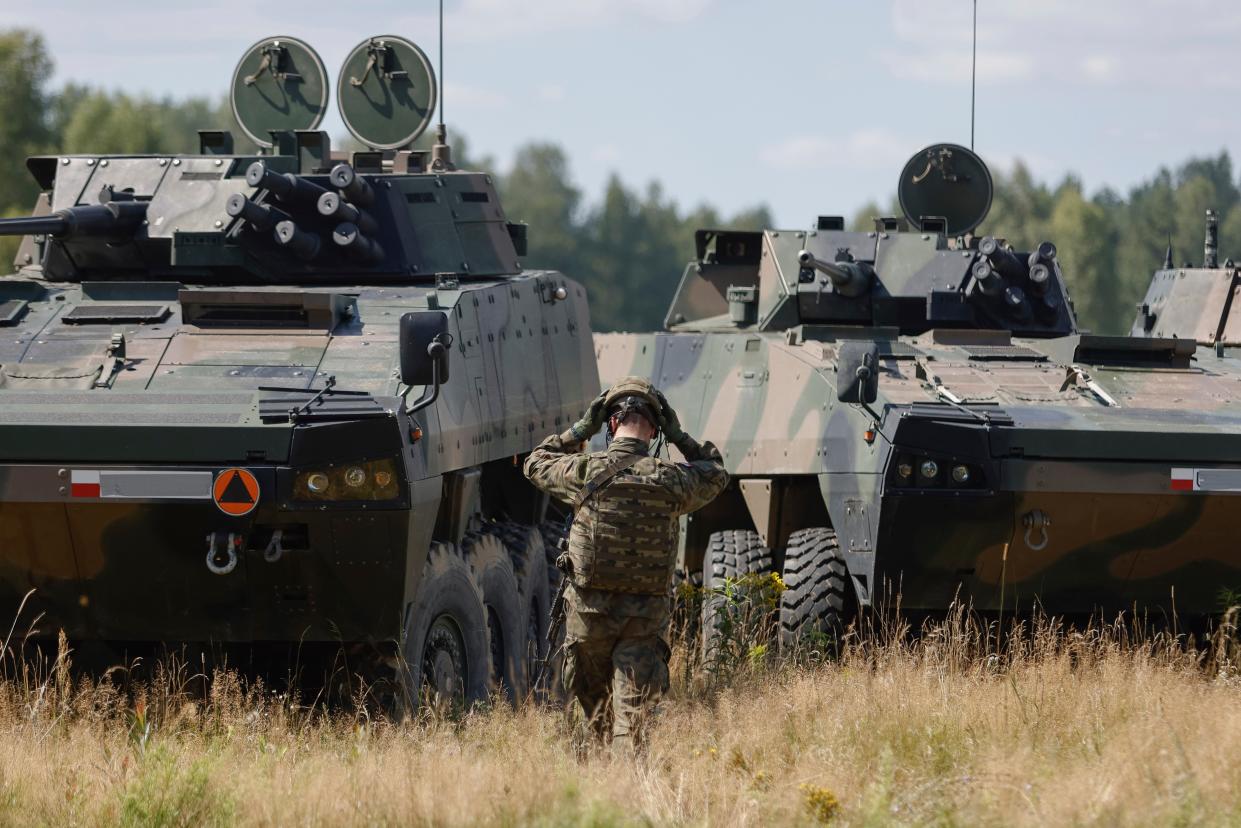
[601,479]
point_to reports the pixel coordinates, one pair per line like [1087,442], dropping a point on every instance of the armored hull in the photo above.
[1101,506]
[281,398]
[108,509]
[999,456]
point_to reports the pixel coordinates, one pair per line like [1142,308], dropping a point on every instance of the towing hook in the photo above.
[1036,521]
[222,552]
[274,550]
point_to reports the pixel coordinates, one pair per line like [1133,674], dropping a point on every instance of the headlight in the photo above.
[910,469]
[371,480]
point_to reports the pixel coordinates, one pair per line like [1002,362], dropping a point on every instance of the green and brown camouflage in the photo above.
[207,429]
[1007,457]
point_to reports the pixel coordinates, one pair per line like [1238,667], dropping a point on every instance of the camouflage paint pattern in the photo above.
[616,649]
[618,543]
[1108,467]
[616,669]
[147,352]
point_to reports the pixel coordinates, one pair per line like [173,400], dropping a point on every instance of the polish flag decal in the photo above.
[84,484]
[1182,480]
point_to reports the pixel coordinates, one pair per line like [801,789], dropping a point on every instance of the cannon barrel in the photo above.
[287,186]
[333,206]
[356,244]
[258,216]
[849,278]
[352,185]
[114,220]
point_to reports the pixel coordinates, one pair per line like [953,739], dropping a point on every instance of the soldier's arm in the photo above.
[557,467]
[702,478]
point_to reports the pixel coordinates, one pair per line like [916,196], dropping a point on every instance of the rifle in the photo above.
[556,615]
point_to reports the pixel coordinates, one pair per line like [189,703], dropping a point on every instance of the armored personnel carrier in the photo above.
[276,400]
[912,411]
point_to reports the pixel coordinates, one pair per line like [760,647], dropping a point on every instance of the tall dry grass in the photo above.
[1105,726]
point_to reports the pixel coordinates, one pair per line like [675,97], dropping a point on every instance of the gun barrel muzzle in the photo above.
[355,188]
[302,244]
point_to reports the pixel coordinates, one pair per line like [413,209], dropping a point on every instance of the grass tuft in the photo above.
[1040,724]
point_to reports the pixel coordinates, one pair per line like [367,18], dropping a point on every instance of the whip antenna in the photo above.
[441,153]
[973,67]
[442,56]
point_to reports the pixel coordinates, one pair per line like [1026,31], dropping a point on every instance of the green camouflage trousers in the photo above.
[616,666]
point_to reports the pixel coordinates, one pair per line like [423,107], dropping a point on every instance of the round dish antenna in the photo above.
[386,92]
[279,84]
[946,181]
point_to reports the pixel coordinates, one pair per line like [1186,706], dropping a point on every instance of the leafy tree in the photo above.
[25,69]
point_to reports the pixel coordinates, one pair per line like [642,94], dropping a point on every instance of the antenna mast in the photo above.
[441,153]
[973,69]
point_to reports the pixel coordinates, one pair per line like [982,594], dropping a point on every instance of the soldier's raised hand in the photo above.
[669,423]
[592,420]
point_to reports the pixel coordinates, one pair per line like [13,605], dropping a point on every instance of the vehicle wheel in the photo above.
[815,579]
[506,622]
[445,647]
[525,549]
[730,555]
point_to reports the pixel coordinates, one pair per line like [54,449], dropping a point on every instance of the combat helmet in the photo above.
[630,394]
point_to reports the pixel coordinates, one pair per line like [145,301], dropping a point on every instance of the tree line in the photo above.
[630,246]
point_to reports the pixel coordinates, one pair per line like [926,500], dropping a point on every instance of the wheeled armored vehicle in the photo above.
[274,400]
[912,413]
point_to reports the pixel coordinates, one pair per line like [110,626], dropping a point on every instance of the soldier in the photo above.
[622,548]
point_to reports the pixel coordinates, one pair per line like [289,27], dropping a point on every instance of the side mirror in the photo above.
[857,372]
[424,342]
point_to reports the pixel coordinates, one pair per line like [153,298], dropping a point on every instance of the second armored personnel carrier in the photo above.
[277,399]
[912,411]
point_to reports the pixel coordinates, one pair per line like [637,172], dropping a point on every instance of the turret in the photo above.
[1193,303]
[921,271]
[293,210]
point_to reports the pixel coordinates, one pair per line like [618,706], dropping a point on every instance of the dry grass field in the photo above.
[1101,727]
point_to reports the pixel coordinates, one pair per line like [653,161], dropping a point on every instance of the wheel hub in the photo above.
[443,659]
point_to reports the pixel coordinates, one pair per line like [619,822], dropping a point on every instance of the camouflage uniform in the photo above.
[616,642]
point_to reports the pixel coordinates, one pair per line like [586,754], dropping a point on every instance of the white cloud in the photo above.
[551,92]
[1100,67]
[473,97]
[478,20]
[865,148]
[1166,43]
[605,154]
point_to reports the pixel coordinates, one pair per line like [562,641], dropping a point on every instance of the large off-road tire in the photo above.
[730,555]
[506,622]
[814,600]
[445,649]
[525,548]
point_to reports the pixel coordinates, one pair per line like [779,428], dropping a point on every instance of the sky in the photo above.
[807,106]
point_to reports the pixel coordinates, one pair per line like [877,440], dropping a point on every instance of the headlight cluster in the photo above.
[916,471]
[367,480]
